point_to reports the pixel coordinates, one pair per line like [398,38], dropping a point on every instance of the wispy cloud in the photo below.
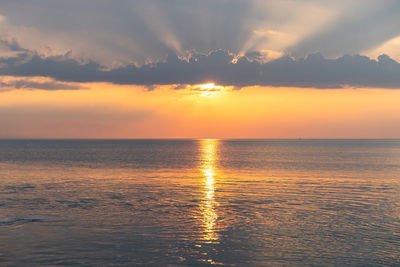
[13,83]
[366,25]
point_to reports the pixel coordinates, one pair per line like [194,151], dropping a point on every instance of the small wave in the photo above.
[18,188]
[20,220]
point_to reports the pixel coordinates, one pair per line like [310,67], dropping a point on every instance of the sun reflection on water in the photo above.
[208,168]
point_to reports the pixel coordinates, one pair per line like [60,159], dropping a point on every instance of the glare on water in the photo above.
[209,147]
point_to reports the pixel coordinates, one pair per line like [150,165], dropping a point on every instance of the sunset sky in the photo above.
[199,69]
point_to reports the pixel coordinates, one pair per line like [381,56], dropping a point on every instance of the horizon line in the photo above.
[191,139]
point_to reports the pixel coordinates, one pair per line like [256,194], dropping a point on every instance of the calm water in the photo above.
[200,203]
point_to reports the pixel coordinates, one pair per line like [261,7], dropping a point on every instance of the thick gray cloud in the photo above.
[219,67]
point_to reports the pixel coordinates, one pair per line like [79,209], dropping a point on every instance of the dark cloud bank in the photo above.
[219,67]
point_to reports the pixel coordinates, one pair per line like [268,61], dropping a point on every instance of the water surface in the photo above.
[200,202]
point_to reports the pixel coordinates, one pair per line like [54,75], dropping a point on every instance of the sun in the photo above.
[208,89]
[207,86]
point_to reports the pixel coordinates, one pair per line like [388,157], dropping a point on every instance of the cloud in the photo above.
[12,45]
[367,24]
[219,67]
[127,30]
[28,83]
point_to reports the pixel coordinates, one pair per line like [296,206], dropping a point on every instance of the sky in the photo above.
[199,69]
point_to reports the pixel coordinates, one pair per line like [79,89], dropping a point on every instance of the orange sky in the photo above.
[114,111]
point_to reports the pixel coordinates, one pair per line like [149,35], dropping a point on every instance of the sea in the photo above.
[205,202]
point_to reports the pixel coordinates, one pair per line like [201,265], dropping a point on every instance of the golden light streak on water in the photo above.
[210,216]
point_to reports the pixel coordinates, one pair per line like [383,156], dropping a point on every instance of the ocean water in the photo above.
[200,203]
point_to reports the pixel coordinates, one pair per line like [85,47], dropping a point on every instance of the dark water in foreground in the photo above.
[200,202]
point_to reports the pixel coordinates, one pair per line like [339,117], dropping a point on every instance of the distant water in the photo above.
[200,203]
